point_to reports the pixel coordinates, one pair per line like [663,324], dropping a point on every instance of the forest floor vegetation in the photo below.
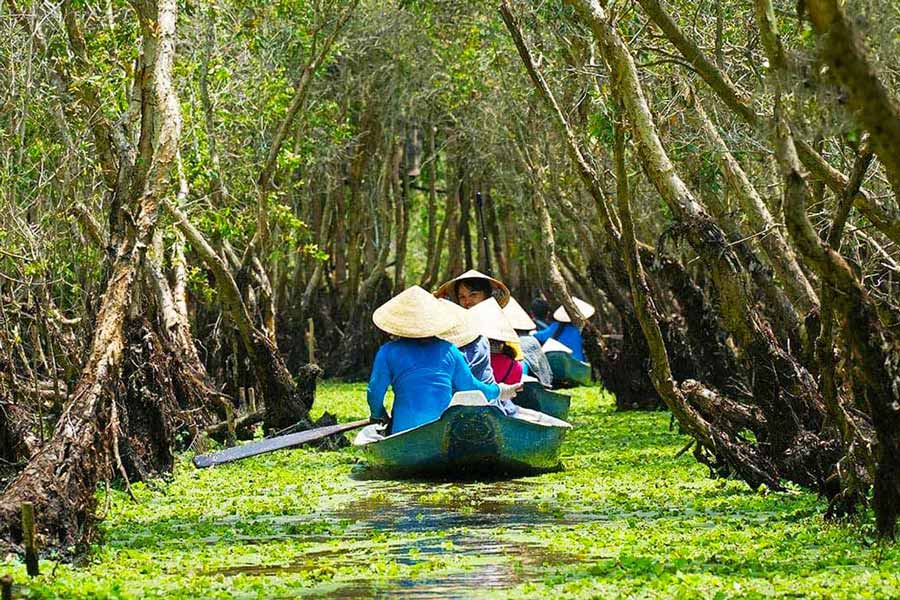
[625,517]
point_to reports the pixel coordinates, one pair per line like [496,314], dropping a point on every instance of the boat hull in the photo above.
[568,371]
[536,397]
[471,439]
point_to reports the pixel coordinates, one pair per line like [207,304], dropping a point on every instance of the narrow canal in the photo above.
[626,517]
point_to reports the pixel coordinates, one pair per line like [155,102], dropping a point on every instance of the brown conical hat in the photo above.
[491,322]
[414,313]
[517,316]
[463,332]
[586,310]
[447,290]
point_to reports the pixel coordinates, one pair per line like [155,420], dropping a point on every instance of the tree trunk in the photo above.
[885,217]
[496,238]
[784,389]
[751,466]
[763,225]
[61,480]
[286,404]
[454,252]
[465,204]
[432,249]
[842,48]
[877,350]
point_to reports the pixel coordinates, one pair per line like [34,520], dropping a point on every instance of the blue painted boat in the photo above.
[470,437]
[536,397]
[568,371]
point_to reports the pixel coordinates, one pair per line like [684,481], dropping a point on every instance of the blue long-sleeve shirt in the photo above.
[478,354]
[570,336]
[424,374]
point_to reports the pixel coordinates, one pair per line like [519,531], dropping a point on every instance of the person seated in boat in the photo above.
[540,311]
[474,347]
[562,329]
[493,324]
[534,361]
[473,287]
[423,370]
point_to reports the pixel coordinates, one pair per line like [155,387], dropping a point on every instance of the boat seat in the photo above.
[470,398]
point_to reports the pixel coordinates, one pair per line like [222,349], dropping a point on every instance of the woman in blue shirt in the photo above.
[562,330]
[423,371]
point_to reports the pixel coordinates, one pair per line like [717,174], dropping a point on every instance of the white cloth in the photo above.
[554,345]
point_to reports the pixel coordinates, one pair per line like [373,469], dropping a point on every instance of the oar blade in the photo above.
[276,443]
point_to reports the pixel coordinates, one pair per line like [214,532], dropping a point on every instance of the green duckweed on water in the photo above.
[625,518]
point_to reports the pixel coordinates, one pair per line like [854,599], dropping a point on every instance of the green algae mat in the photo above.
[625,518]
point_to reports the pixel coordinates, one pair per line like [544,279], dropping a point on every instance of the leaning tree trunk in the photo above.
[884,215]
[751,465]
[796,440]
[623,372]
[286,403]
[61,479]
[842,48]
[876,349]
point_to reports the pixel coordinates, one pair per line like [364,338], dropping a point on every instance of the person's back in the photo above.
[423,369]
[505,366]
[563,331]
[538,366]
[478,355]
[566,334]
[424,374]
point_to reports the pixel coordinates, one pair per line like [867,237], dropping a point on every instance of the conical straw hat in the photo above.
[554,345]
[414,313]
[463,332]
[492,323]
[448,290]
[517,316]
[586,310]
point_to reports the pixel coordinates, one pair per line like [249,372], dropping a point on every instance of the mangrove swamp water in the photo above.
[625,518]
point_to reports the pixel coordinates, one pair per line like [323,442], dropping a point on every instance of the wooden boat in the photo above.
[567,370]
[470,437]
[536,397]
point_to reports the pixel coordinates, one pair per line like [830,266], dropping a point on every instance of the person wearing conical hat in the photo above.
[423,370]
[535,363]
[563,331]
[474,347]
[473,287]
[493,324]
[540,310]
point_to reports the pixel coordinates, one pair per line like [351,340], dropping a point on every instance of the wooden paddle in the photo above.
[276,443]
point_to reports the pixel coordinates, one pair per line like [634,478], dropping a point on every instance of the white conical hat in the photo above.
[414,313]
[463,332]
[517,316]
[586,310]
[491,322]
[448,289]
[554,345]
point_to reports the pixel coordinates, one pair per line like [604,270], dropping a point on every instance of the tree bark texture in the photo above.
[61,479]
[842,48]
[784,390]
[877,349]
